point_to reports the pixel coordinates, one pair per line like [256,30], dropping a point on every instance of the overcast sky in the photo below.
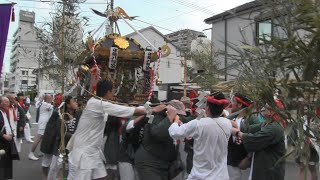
[170,15]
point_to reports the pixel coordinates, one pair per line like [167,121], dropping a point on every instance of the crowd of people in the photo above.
[116,142]
[15,125]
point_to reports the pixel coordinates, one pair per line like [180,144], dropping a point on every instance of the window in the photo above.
[264,31]
[25,73]
[24,82]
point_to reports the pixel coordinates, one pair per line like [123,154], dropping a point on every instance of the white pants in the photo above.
[236,173]
[42,123]
[75,173]
[46,160]
[54,168]
[27,132]
[127,171]
[18,142]
[183,155]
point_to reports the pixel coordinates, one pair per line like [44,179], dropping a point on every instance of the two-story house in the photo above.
[244,24]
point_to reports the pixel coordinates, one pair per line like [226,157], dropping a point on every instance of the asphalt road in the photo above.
[26,169]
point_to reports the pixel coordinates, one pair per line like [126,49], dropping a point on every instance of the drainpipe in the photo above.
[225,49]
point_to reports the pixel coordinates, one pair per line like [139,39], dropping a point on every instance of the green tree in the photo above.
[289,60]
[62,43]
[205,71]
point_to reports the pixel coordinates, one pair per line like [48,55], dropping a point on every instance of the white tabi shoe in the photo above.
[31,156]
[30,141]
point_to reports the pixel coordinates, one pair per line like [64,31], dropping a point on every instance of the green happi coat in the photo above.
[268,146]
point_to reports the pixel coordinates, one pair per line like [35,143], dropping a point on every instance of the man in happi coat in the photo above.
[6,136]
[158,151]
[237,154]
[16,117]
[46,110]
[86,158]
[266,141]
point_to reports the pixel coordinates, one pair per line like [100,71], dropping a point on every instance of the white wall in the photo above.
[25,56]
[47,84]
[234,30]
[29,45]
[16,78]
[171,70]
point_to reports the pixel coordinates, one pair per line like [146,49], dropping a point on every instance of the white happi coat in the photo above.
[87,142]
[13,123]
[46,110]
[210,147]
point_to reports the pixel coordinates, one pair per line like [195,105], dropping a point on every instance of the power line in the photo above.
[9,1]
[43,8]
[49,1]
[133,25]
[32,7]
[154,25]
[184,3]
[181,14]
[196,8]
[193,6]
[167,7]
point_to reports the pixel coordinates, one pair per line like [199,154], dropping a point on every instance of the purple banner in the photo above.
[5,13]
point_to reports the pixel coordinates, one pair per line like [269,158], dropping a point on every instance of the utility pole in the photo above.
[185,76]
[111,18]
[184,69]
[111,5]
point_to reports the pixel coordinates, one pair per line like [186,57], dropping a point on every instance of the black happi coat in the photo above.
[5,160]
[237,152]
[51,137]
[153,157]
[131,141]
[268,146]
[68,133]
[21,121]
[112,145]
[50,134]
